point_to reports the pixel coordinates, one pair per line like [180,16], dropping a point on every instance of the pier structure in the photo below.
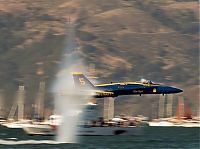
[165,106]
[154,113]
[108,111]
[169,106]
[181,108]
[161,106]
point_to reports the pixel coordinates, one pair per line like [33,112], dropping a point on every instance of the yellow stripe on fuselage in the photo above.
[76,73]
[122,83]
[126,83]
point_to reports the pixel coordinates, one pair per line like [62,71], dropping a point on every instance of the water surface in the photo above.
[149,138]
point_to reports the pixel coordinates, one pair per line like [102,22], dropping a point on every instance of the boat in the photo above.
[89,126]
[39,129]
[191,123]
[43,128]
[2,120]
[46,130]
[108,129]
[161,124]
[16,124]
[183,118]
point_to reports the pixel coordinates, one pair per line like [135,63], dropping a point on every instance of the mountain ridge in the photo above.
[124,40]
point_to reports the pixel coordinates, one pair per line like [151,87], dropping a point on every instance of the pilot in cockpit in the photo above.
[144,81]
[149,82]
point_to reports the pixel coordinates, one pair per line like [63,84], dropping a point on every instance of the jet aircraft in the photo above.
[124,88]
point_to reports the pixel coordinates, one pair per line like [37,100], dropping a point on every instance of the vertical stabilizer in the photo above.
[81,82]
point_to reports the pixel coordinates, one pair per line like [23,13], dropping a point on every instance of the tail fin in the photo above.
[81,82]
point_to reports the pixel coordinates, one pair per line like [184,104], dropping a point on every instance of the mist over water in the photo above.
[68,99]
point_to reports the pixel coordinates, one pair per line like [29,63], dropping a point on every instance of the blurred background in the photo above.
[119,40]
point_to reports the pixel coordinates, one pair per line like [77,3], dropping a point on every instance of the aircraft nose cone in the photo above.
[179,90]
[174,90]
[169,90]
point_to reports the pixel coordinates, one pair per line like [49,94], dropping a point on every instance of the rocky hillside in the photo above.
[124,39]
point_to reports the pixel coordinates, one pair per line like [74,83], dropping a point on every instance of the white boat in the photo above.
[84,130]
[44,128]
[173,122]
[91,125]
[39,129]
[183,118]
[190,123]
[161,124]
[111,128]
[109,131]
[2,120]
[16,124]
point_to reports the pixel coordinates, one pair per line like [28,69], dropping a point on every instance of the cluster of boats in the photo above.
[98,126]
[91,124]
[115,126]
[174,122]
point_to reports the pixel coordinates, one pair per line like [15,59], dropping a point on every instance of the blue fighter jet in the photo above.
[124,88]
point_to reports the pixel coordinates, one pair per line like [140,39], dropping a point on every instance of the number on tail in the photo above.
[82,81]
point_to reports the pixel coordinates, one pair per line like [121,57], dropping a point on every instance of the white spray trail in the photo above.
[67,98]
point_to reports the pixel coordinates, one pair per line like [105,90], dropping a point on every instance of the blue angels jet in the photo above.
[124,88]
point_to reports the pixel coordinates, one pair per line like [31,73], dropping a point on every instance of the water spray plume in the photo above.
[68,100]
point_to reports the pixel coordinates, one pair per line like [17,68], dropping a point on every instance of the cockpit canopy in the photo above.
[144,81]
